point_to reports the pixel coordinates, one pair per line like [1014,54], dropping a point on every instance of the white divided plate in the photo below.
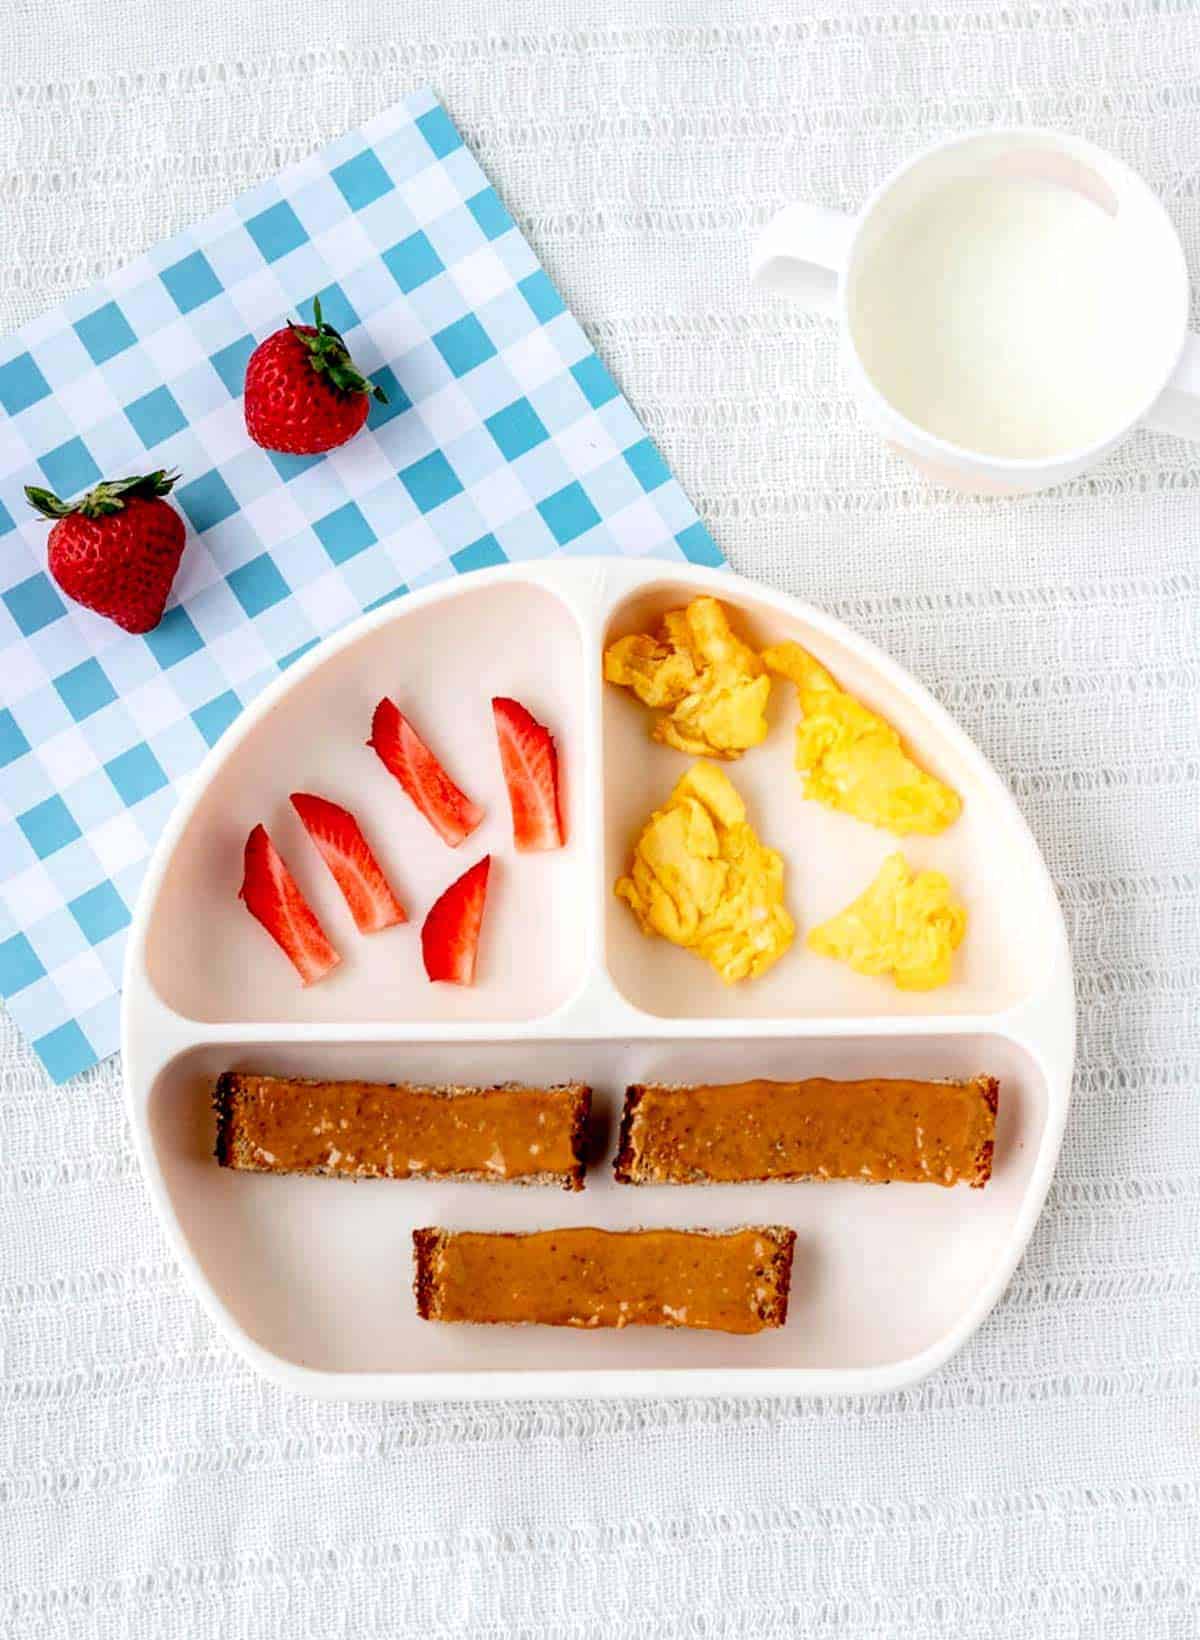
[310,1278]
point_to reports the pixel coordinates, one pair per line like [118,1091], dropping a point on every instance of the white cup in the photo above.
[817,257]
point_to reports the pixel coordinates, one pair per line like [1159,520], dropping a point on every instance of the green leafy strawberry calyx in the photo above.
[106,498]
[329,356]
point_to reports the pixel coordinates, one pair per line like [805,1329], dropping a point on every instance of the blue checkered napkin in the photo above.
[503,438]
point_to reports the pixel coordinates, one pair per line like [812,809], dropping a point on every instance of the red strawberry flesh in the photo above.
[344,849]
[449,811]
[271,895]
[291,409]
[116,549]
[303,393]
[530,763]
[450,935]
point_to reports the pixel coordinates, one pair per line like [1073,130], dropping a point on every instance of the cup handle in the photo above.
[801,252]
[1177,410]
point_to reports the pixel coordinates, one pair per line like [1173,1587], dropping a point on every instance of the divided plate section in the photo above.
[441,661]
[988,855]
[317,1272]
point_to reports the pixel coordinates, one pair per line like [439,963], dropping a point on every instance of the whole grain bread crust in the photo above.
[426,1246]
[783,1243]
[625,1159]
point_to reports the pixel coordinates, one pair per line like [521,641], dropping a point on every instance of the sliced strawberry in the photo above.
[271,895]
[530,765]
[355,869]
[449,811]
[450,936]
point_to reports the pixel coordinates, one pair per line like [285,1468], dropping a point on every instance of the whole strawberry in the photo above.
[303,392]
[116,550]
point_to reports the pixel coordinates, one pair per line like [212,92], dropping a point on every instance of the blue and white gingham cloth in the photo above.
[504,438]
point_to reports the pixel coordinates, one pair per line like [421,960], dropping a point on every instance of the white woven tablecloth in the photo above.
[1047,1482]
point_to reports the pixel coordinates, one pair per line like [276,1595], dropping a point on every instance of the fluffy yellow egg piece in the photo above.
[701,878]
[905,924]
[711,688]
[852,759]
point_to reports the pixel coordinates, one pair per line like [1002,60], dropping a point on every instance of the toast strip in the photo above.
[733,1281]
[877,1131]
[390,1130]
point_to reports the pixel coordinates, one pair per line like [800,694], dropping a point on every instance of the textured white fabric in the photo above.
[1047,1482]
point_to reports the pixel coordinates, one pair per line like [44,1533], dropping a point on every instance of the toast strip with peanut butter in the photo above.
[399,1130]
[733,1281]
[878,1131]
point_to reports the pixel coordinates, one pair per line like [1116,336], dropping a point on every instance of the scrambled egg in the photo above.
[710,686]
[905,925]
[701,878]
[852,758]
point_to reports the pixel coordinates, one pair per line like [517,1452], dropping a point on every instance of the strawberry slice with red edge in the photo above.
[271,895]
[450,935]
[354,867]
[530,763]
[449,811]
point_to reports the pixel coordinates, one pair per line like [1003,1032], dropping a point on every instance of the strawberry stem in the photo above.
[329,356]
[107,497]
